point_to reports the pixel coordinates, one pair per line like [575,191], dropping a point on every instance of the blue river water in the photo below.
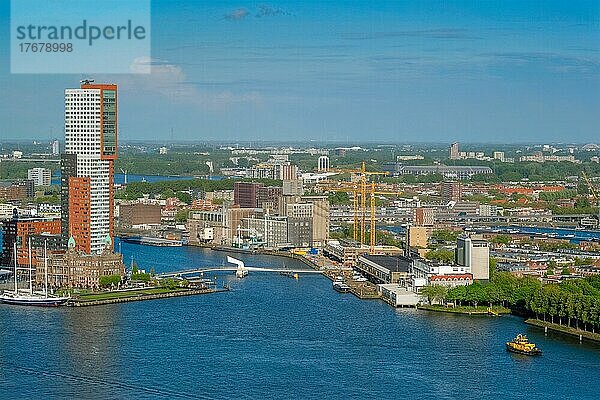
[274,337]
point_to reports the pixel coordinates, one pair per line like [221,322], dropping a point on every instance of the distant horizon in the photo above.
[304,142]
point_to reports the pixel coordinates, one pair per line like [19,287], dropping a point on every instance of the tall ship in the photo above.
[521,345]
[29,297]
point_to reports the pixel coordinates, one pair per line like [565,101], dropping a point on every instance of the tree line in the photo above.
[135,190]
[574,302]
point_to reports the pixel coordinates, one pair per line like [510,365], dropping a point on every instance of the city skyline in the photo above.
[407,72]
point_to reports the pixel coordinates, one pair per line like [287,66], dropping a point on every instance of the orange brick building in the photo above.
[20,230]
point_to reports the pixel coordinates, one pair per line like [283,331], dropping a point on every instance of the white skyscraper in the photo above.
[87,167]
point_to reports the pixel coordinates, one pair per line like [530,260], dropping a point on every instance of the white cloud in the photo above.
[169,80]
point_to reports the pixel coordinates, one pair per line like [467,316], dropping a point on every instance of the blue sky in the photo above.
[398,71]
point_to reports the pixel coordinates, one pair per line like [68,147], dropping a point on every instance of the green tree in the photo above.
[445,235]
[109,280]
[442,255]
[181,216]
[429,292]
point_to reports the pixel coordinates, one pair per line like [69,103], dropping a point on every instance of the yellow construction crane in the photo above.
[360,190]
[592,192]
[373,193]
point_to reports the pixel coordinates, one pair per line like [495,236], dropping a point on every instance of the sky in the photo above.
[343,71]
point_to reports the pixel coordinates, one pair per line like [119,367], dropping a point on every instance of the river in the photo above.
[275,337]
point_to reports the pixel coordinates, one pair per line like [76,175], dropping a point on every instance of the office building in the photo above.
[300,231]
[74,269]
[40,176]
[384,269]
[417,236]
[272,231]
[474,253]
[267,198]
[88,164]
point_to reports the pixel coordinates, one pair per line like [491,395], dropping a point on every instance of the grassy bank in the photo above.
[563,329]
[470,310]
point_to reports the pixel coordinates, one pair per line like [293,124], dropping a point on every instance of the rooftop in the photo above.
[391,263]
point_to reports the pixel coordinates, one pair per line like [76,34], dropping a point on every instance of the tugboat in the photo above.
[521,345]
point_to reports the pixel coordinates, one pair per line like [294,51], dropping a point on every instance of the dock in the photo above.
[139,296]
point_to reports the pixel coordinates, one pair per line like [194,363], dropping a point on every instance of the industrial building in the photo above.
[448,172]
[385,269]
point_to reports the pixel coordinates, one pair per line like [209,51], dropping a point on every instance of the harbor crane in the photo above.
[592,192]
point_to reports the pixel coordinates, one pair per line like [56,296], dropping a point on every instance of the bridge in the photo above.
[240,269]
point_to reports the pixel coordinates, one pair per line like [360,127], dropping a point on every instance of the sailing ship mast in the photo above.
[30,267]
[45,268]
[15,258]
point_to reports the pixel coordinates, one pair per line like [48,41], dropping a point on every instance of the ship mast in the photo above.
[30,267]
[15,258]
[45,268]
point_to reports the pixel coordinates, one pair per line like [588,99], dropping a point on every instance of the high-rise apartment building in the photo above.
[40,176]
[451,191]
[55,147]
[454,151]
[423,216]
[88,165]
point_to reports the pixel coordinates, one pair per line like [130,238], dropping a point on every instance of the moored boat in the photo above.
[30,298]
[521,345]
[341,287]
